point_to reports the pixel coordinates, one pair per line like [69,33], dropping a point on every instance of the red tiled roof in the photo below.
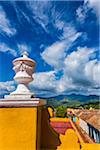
[61,127]
[90,116]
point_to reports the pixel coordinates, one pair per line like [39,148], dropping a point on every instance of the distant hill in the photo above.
[69,98]
[74,97]
[72,100]
[1,96]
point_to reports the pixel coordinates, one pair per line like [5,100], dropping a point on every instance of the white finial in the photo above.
[23,67]
[25,54]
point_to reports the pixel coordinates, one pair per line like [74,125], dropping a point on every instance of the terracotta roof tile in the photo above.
[90,116]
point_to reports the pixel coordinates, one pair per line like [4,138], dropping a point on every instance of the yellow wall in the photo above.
[86,146]
[69,141]
[18,128]
[60,119]
[29,129]
[51,112]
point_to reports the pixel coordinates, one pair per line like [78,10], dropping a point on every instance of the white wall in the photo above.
[84,125]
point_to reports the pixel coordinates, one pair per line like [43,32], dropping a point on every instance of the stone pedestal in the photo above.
[20,124]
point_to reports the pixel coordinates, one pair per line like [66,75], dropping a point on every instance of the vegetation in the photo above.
[95,105]
[61,105]
[53,102]
[61,111]
[73,104]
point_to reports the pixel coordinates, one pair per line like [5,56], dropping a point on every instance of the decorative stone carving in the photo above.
[23,67]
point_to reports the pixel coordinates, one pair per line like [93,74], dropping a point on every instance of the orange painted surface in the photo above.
[86,146]
[60,119]
[51,112]
[25,128]
[18,128]
[69,141]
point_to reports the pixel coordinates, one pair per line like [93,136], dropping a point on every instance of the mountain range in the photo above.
[74,97]
[71,97]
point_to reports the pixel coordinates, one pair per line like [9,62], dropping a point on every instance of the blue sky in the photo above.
[62,37]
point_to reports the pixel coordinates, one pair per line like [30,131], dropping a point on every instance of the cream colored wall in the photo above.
[84,126]
[18,128]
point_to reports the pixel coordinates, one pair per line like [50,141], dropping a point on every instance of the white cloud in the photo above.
[83,72]
[40,12]
[95,4]
[78,57]
[59,24]
[6,48]
[47,14]
[55,54]
[80,14]
[7,87]
[65,85]
[70,33]
[23,47]
[92,91]
[82,11]
[5,25]
[80,76]
[76,66]
[44,80]
[44,83]
[92,71]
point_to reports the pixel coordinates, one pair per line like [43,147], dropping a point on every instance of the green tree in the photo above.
[61,111]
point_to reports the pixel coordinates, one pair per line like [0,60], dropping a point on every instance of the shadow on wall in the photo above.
[49,137]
